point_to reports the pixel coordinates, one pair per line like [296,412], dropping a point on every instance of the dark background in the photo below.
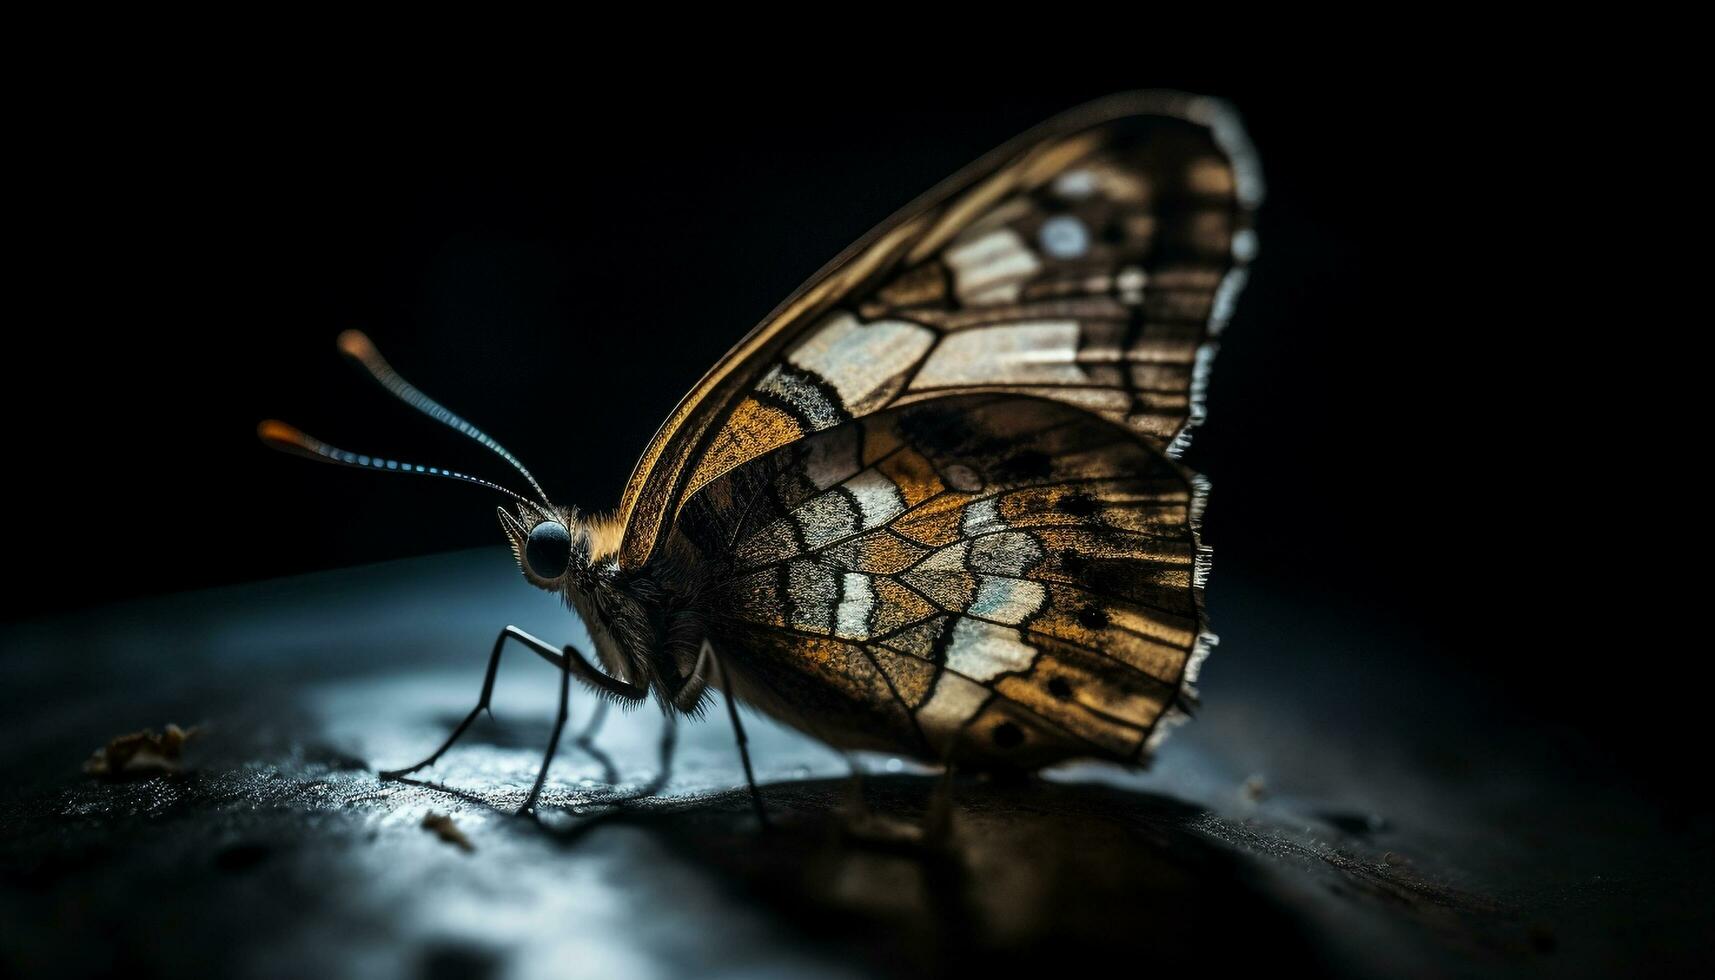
[1408,420]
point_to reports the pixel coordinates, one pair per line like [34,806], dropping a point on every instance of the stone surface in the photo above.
[1337,805]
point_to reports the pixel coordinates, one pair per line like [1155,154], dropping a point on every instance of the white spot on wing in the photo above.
[984,515]
[990,268]
[982,651]
[1244,245]
[954,702]
[826,518]
[860,359]
[833,458]
[1007,600]
[877,496]
[1007,553]
[1016,353]
[852,620]
[960,477]
[1064,237]
[1131,279]
[948,559]
[1075,184]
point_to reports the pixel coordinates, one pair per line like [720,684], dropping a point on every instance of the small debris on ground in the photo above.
[442,826]
[141,754]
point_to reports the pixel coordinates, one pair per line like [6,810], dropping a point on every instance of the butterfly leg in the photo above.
[938,819]
[586,741]
[669,745]
[658,782]
[553,740]
[854,809]
[541,649]
[570,662]
[855,803]
[743,743]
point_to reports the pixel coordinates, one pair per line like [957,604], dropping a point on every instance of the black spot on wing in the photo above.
[1074,563]
[1030,464]
[1077,504]
[937,433]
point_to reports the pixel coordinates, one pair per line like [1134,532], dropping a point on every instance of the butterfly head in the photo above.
[551,543]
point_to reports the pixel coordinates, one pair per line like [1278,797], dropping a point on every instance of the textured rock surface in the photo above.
[1337,804]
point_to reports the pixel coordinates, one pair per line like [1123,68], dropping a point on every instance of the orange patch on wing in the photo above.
[878,441]
[936,523]
[752,429]
[914,476]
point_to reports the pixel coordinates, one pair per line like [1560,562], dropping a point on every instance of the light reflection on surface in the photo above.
[284,855]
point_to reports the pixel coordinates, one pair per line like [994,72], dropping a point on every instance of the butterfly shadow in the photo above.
[1031,875]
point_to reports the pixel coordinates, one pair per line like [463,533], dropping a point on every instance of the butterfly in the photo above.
[931,505]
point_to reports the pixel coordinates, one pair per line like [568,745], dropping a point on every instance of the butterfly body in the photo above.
[931,504]
[938,582]
[642,622]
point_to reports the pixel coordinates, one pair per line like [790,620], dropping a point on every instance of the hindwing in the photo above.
[998,579]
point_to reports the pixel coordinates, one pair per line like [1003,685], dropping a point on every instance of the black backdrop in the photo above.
[1402,426]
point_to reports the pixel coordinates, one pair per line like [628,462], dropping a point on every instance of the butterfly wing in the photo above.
[998,579]
[1088,262]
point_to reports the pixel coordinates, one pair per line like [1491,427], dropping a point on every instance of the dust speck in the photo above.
[442,826]
[141,755]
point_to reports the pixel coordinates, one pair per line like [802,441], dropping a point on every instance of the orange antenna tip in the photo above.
[279,434]
[356,343]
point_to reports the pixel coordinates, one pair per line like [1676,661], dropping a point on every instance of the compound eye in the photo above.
[549,549]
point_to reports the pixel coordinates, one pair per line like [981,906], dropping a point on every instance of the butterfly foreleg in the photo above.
[541,649]
[554,738]
[570,662]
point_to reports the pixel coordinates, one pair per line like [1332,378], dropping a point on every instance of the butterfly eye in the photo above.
[549,549]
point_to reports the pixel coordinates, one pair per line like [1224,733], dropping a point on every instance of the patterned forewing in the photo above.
[1000,579]
[1091,263]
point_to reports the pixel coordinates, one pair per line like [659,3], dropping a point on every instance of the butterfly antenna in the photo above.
[356,345]
[286,438]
